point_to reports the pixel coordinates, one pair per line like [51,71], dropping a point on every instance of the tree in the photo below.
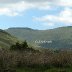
[24,45]
[16,46]
[21,47]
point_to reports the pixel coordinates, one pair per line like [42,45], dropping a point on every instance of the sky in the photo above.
[35,14]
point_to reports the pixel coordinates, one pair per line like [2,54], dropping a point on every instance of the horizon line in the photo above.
[34,28]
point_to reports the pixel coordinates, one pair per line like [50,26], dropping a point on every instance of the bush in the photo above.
[7,62]
[21,47]
[11,59]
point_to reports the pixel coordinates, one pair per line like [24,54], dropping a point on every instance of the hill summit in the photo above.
[60,37]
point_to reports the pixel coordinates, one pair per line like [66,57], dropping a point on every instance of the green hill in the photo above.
[53,38]
[6,39]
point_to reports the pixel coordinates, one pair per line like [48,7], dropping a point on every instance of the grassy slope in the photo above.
[6,39]
[45,70]
[61,37]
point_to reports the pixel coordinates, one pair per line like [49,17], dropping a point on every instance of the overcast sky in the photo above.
[36,14]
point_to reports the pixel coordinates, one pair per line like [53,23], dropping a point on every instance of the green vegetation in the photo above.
[21,47]
[21,58]
[60,37]
[47,70]
[17,56]
[6,40]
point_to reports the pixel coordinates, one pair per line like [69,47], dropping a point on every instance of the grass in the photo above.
[31,69]
[28,69]
[6,40]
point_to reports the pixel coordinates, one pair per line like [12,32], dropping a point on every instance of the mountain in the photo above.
[54,38]
[6,39]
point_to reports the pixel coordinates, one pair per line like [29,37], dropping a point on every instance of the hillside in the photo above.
[6,39]
[59,37]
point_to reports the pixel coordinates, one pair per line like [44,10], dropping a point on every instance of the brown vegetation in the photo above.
[11,59]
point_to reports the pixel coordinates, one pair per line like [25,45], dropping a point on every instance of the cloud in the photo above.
[6,11]
[42,5]
[31,1]
[48,24]
[65,3]
[14,9]
[55,2]
[64,17]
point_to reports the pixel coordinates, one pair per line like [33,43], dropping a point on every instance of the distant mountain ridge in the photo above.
[21,28]
[61,37]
